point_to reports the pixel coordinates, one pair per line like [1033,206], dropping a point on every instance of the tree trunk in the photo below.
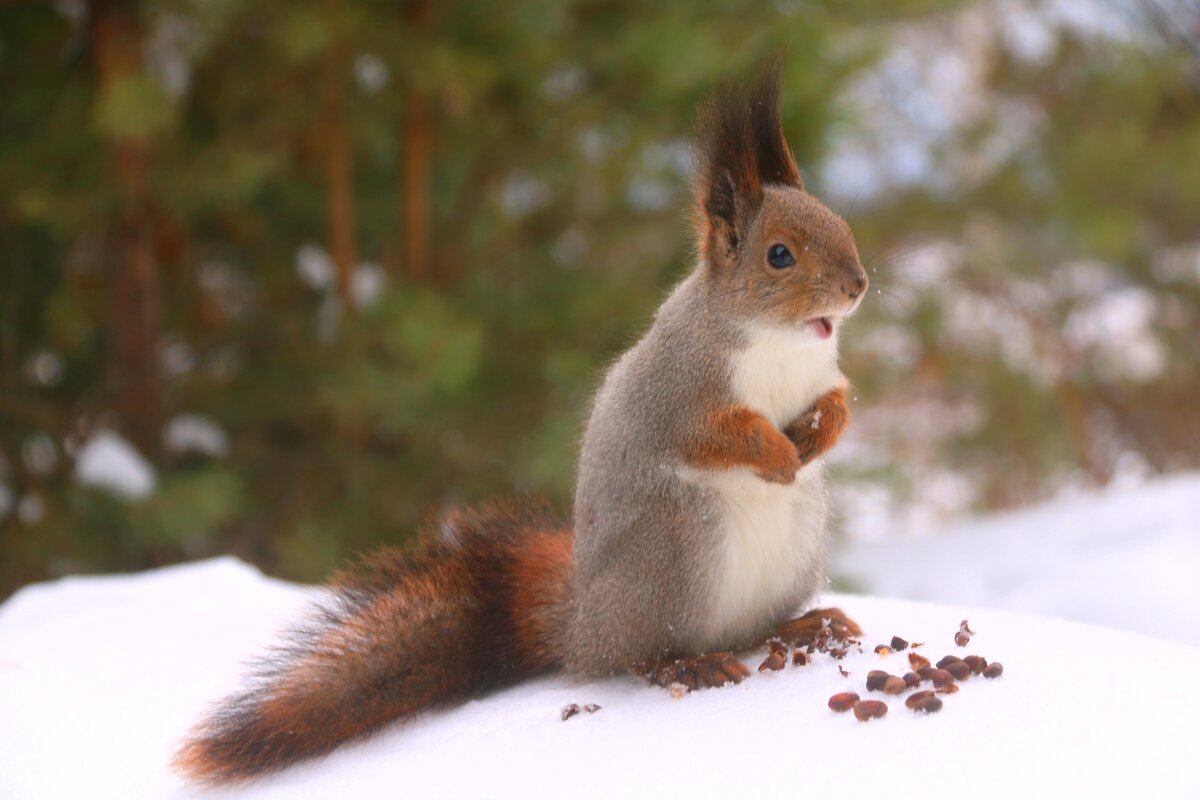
[136,302]
[417,146]
[339,159]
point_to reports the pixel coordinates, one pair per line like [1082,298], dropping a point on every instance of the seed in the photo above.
[941,677]
[926,673]
[912,679]
[843,701]
[569,711]
[949,688]
[774,661]
[776,646]
[917,661]
[882,649]
[947,660]
[916,698]
[977,663]
[869,709]
[894,685]
[875,680]
[959,670]
[930,705]
[962,639]
[994,670]
[799,658]
[899,644]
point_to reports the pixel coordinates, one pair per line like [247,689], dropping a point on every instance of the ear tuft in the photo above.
[740,147]
[726,174]
[773,156]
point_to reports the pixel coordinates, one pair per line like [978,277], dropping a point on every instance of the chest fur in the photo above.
[771,537]
[779,374]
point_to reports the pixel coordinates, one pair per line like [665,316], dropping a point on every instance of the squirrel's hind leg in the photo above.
[711,670]
[804,630]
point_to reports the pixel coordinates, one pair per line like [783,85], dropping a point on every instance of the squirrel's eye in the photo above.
[780,257]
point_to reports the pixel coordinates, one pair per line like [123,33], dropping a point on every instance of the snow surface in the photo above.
[100,677]
[1128,558]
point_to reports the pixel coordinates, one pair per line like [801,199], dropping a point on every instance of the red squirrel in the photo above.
[699,516]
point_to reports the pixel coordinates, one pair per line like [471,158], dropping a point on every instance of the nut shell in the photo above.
[941,677]
[959,670]
[869,709]
[930,705]
[843,701]
[917,661]
[875,680]
[977,663]
[774,661]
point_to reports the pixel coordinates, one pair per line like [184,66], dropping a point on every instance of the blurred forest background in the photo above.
[282,279]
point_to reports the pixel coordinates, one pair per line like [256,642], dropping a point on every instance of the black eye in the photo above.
[780,257]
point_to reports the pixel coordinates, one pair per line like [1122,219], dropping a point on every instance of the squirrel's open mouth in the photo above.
[822,326]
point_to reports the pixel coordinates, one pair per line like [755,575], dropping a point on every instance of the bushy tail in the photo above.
[479,603]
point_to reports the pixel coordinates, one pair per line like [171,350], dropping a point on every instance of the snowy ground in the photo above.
[99,678]
[1128,559]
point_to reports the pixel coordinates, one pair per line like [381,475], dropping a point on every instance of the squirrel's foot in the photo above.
[807,629]
[711,670]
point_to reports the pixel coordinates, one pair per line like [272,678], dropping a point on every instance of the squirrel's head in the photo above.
[773,253]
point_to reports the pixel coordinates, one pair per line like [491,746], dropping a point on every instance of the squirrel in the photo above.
[699,515]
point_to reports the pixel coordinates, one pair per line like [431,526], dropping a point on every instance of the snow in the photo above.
[107,461]
[100,677]
[1129,558]
[195,433]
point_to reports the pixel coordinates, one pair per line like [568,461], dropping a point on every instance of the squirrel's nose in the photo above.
[856,284]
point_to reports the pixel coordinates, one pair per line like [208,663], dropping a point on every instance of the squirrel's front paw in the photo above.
[781,466]
[819,428]
[777,460]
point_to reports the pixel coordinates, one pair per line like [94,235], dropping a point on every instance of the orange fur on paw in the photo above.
[819,428]
[711,670]
[738,437]
[804,629]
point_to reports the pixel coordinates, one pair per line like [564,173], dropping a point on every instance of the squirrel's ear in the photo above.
[727,187]
[739,147]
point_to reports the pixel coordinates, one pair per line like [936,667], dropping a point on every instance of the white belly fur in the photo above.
[773,535]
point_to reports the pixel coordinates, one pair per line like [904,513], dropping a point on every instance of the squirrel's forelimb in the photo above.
[735,436]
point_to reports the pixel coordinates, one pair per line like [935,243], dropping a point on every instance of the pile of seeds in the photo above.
[944,677]
[824,642]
